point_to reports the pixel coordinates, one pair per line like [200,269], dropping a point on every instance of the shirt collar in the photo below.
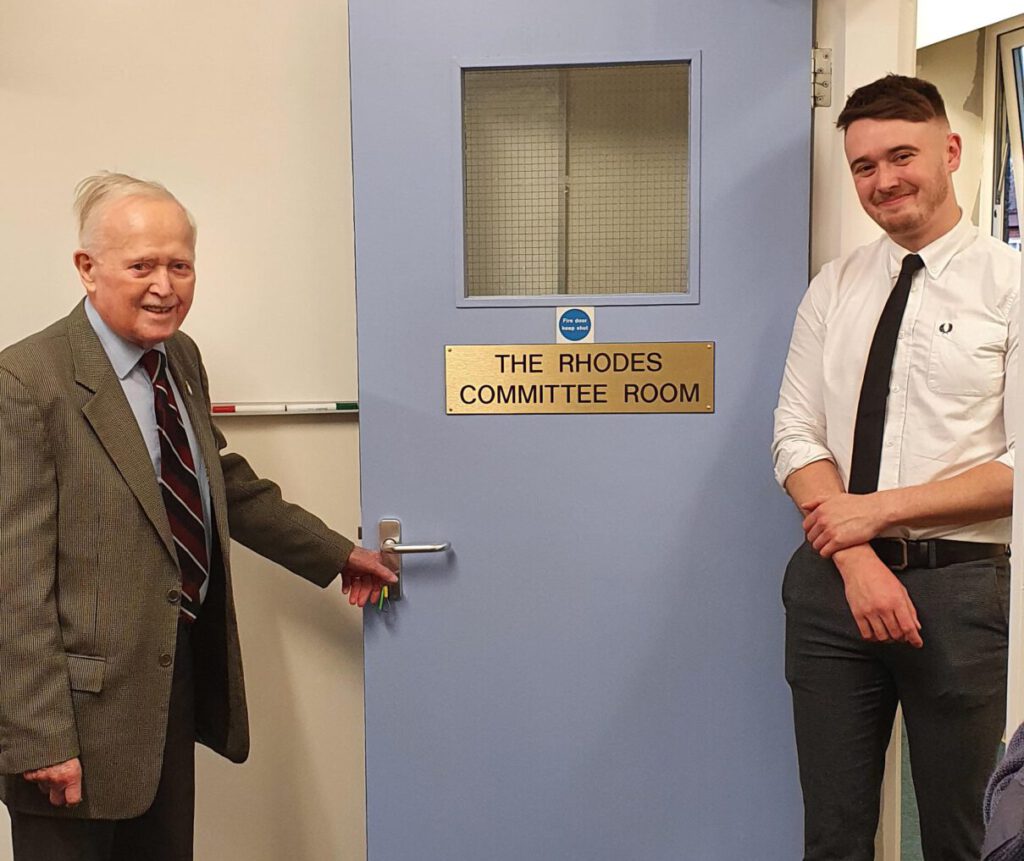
[936,255]
[123,354]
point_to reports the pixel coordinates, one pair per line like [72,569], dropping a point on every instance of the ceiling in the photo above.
[942,19]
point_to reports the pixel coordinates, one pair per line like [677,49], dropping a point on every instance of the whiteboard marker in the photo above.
[312,408]
[260,408]
[222,409]
[250,409]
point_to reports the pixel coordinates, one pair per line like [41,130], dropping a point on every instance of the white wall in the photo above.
[869,38]
[301,794]
[956,66]
[938,20]
[242,109]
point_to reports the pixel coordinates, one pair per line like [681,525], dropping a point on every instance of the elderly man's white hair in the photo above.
[94,192]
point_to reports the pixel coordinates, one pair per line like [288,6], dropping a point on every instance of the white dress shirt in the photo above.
[952,393]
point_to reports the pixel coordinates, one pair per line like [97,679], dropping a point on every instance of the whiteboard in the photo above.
[245,119]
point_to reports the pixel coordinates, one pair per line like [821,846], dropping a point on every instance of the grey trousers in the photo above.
[845,691]
[162,833]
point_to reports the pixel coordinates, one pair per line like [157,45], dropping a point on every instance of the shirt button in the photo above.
[895,388]
[889,444]
[172,596]
[166,660]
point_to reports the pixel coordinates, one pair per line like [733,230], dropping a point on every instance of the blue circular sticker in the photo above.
[574,324]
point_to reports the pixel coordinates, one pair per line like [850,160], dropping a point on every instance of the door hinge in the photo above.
[821,77]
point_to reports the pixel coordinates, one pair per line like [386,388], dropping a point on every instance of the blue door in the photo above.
[595,669]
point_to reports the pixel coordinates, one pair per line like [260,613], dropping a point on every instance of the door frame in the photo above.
[997,54]
[1015,687]
[869,38]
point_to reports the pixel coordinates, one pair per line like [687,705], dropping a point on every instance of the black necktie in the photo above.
[180,487]
[874,391]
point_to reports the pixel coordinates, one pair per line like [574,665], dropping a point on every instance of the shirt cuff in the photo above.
[797,456]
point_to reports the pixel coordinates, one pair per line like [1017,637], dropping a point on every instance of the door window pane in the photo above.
[575,180]
[1009,138]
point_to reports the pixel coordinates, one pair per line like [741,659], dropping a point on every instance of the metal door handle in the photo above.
[392,550]
[389,545]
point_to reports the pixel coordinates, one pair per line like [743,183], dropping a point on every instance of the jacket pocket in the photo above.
[86,673]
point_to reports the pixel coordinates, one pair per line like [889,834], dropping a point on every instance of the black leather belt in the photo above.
[901,553]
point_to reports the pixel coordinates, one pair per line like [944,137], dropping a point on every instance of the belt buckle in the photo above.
[906,556]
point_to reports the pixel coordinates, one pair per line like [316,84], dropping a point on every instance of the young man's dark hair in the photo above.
[894,97]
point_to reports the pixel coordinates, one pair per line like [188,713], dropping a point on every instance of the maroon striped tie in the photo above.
[180,487]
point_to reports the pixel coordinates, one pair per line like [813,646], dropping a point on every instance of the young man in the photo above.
[893,436]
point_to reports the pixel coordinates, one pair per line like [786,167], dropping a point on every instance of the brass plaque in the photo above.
[507,379]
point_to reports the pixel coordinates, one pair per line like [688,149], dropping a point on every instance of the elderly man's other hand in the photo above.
[364,575]
[62,783]
[842,520]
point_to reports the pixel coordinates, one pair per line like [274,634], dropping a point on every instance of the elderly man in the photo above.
[118,643]
[893,435]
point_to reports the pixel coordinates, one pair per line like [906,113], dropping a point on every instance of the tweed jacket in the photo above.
[89,576]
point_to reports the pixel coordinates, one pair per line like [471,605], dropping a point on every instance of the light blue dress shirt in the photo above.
[124,356]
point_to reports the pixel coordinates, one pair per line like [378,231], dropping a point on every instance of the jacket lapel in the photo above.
[114,422]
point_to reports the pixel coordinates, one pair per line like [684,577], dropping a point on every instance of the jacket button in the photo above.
[166,660]
[172,596]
